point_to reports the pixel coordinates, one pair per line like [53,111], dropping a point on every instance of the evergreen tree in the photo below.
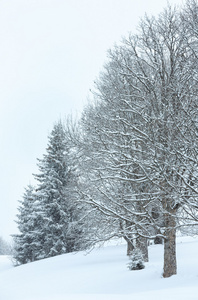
[136,260]
[5,248]
[28,243]
[55,193]
[49,219]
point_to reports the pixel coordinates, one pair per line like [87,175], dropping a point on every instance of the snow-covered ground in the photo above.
[102,275]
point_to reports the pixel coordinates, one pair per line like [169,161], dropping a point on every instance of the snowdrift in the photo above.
[102,274]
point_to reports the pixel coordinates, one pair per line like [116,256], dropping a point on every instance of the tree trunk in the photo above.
[130,246]
[141,243]
[170,264]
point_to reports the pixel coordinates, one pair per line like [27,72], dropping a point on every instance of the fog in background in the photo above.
[51,51]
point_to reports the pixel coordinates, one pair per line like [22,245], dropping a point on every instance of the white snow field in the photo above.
[102,274]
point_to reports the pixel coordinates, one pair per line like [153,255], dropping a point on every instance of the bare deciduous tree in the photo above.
[141,135]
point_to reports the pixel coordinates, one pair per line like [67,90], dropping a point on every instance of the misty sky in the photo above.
[51,51]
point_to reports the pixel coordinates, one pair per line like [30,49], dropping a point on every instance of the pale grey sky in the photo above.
[51,51]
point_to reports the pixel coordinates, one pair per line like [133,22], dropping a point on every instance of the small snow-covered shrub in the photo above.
[136,260]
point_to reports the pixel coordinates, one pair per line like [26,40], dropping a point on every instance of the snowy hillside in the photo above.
[102,274]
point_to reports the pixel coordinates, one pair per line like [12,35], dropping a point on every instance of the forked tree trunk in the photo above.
[170,264]
[141,243]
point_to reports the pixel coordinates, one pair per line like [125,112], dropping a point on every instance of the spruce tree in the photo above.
[54,194]
[28,243]
[50,217]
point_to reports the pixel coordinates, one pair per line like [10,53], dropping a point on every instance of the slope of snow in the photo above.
[101,275]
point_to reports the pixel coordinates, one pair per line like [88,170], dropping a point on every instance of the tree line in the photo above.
[128,168]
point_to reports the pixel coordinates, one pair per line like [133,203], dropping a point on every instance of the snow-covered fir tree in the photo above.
[5,247]
[50,218]
[55,193]
[136,260]
[28,243]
